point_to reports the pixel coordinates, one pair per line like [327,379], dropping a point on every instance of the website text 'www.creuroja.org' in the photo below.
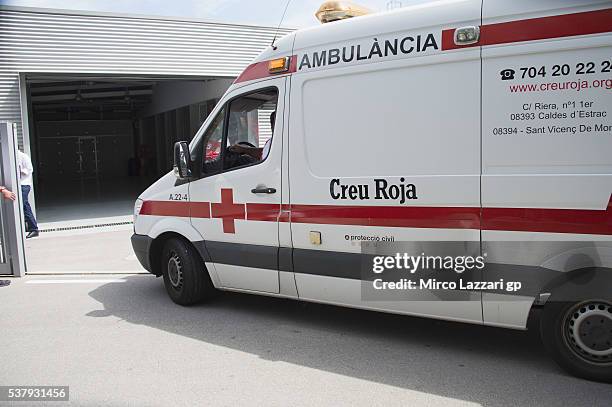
[557,86]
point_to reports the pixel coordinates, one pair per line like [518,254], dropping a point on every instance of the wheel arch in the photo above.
[572,286]
[580,284]
[157,246]
[587,290]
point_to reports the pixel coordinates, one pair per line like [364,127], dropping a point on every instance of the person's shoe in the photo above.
[4,283]
[32,234]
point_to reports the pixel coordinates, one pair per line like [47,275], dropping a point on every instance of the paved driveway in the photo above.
[118,340]
[89,251]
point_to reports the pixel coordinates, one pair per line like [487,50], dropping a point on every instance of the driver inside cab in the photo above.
[241,153]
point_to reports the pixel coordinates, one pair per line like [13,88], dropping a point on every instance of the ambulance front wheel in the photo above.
[185,277]
[579,337]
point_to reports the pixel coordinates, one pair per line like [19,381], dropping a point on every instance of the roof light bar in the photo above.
[339,10]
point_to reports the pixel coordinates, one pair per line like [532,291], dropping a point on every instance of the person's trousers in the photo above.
[27,209]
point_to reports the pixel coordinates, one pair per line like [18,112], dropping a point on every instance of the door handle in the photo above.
[263,190]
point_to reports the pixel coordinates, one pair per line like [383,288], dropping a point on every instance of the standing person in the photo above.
[6,194]
[25,175]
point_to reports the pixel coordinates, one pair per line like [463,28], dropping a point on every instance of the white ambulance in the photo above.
[486,123]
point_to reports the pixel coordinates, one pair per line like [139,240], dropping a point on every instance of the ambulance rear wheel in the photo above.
[579,337]
[185,276]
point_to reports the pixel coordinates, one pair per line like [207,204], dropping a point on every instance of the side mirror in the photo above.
[182,159]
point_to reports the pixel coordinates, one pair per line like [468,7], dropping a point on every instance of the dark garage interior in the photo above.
[96,143]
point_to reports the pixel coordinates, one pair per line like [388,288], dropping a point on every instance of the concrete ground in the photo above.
[118,340]
[88,251]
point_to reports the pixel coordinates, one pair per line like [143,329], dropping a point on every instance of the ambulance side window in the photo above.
[212,141]
[250,123]
[241,133]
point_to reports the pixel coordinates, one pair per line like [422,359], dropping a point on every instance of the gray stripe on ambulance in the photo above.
[351,265]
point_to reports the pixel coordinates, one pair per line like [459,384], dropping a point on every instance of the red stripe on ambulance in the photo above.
[263,212]
[165,208]
[580,221]
[565,25]
[260,70]
[391,216]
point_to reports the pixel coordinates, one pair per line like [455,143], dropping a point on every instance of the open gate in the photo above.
[12,253]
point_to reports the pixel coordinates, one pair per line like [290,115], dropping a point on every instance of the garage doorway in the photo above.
[98,141]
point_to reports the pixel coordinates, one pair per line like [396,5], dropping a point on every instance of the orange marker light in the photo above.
[278,65]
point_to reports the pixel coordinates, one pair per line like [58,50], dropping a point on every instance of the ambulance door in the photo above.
[386,149]
[546,79]
[235,203]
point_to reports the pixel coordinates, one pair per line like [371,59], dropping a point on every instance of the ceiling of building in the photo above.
[90,95]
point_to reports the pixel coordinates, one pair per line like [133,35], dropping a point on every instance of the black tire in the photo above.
[185,276]
[579,337]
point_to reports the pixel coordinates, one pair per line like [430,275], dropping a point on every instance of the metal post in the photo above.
[12,212]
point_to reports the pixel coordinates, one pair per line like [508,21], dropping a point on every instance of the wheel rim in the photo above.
[588,331]
[175,271]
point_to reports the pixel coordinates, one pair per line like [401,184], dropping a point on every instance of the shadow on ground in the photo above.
[479,364]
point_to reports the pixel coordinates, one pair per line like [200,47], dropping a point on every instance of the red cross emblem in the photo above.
[227,210]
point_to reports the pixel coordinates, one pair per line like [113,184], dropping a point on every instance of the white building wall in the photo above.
[52,41]
[10,106]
